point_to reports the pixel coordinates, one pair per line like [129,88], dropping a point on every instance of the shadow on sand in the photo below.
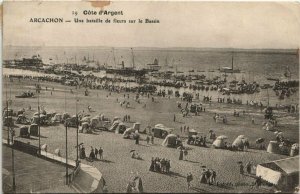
[192,161]
[198,190]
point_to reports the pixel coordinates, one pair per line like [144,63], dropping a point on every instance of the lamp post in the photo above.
[13,159]
[77,128]
[67,154]
[39,123]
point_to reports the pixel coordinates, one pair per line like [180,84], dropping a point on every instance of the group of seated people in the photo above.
[228,146]
[200,141]
[135,155]
[218,117]
[236,114]
[161,165]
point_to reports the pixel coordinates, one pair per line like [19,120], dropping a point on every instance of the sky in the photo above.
[249,25]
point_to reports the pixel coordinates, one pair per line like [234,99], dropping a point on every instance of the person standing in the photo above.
[139,185]
[152,139]
[100,153]
[189,179]
[174,118]
[96,152]
[181,154]
[163,165]
[168,166]
[258,181]
[148,139]
[213,176]
[185,153]
[92,154]
[152,164]
[241,168]
[248,167]
[208,177]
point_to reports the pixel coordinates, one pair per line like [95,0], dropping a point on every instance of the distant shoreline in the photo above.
[238,50]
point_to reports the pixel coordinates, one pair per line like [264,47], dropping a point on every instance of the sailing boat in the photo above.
[230,69]
[154,66]
[127,71]
[287,72]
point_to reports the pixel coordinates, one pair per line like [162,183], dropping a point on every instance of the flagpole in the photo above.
[77,128]
[39,121]
[66,124]
[8,122]
[12,148]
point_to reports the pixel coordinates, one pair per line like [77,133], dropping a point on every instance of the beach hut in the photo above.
[24,132]
[85,119]
[34,130]
[66,116]
[219,142]
[284,173]
[85,128]
[161,131]
[127,132]
[71,122]
[114,126]
[240,142]
[273,147]
[35,120]
[170,141]
[57,118]
[116,119]
[95,123]
[136,126]
[192,132]
[121,128]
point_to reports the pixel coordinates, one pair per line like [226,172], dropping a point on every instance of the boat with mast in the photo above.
[230,69]
[126,71]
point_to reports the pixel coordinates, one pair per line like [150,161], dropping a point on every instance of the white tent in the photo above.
[127,132]
[240,141]
[161,131]
[284,173]
[170,140]
[220,141]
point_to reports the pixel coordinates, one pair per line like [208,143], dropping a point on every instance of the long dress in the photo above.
[203,178]
[181,155]
[128,188]
[140,187]
[152,166]
[82,154]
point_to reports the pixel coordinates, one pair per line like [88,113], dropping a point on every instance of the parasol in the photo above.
[260,140]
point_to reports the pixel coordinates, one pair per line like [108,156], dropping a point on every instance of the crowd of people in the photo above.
[208,176]
[126,118]
[161,165]
[248,167]
[93,153]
